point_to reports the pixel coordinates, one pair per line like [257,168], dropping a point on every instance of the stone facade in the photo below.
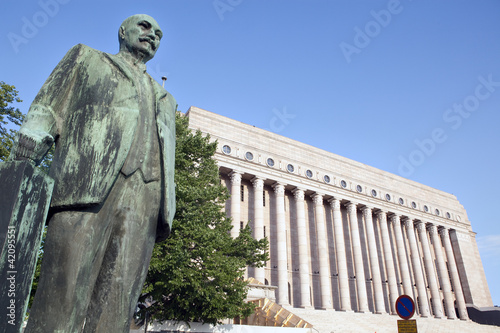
[344,235]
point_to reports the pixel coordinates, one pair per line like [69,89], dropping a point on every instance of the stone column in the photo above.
[374,264]
[304,277]
[417,269]
[389,262]
[443,273]
[402,256]
[235,202]
[358,258]
[345,297]
[431,272]
[258,220]
[455,278]
[323,254]
[282,297]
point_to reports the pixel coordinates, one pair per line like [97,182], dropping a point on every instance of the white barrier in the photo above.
[170,326]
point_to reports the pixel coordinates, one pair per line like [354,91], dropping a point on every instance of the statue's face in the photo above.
[140,35]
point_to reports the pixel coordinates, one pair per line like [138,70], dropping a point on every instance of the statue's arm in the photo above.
[43,122]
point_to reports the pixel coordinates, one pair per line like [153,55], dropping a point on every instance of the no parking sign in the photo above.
[405,308]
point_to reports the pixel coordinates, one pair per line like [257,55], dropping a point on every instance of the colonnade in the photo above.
[388,252]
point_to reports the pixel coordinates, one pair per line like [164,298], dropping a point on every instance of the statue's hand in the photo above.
[31,147]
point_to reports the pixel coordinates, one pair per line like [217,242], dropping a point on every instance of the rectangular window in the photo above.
[242,193]
[264,231]
[241,225]
[264,198]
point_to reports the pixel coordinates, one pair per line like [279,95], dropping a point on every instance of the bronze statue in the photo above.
[114,193]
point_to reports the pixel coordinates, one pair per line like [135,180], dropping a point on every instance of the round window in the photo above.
[270,162]
[359,188]
[374,193]
[343,183]
[326,178]
[401,201]
[388,197]
[290,168]
[226,149]
[448,215]
[413,204]
[426,208]
[249,156]
[309,174]
[438,212]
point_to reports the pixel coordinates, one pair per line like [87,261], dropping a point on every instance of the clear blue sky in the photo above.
[363,79]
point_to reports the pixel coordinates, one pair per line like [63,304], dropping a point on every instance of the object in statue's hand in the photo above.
[31,148]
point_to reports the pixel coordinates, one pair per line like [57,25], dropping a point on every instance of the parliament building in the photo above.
[344,235]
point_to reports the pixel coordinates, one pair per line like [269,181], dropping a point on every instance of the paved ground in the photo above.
[330,321]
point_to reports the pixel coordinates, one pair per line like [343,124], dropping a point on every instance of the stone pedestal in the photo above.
[25,193]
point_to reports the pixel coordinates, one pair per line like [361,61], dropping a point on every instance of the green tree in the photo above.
[197,274]
[8,95]
[36,276]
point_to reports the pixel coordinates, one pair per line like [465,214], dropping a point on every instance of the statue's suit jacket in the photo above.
[90,107]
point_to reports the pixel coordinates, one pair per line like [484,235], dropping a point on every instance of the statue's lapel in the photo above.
[160,92]
[122,66]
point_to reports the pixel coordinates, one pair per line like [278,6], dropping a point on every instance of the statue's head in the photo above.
[140,36]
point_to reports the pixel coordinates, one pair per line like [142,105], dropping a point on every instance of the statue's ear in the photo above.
[122,32]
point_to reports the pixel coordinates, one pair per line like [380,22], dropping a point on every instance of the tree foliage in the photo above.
[36,275]
[13,116]
[197,274]
[8,114]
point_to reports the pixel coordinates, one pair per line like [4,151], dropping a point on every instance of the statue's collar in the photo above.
[130,71]
[132,62]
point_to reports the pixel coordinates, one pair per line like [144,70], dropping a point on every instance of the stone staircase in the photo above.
[268,313]
[330,321]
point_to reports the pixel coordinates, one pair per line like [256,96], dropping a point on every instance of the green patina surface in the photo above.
[91,107]
[26,193]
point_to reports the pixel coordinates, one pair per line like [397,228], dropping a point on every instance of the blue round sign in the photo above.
[405,307]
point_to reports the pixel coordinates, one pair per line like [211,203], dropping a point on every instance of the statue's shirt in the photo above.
[144,154]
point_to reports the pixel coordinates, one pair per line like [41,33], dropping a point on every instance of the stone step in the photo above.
[330,321]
